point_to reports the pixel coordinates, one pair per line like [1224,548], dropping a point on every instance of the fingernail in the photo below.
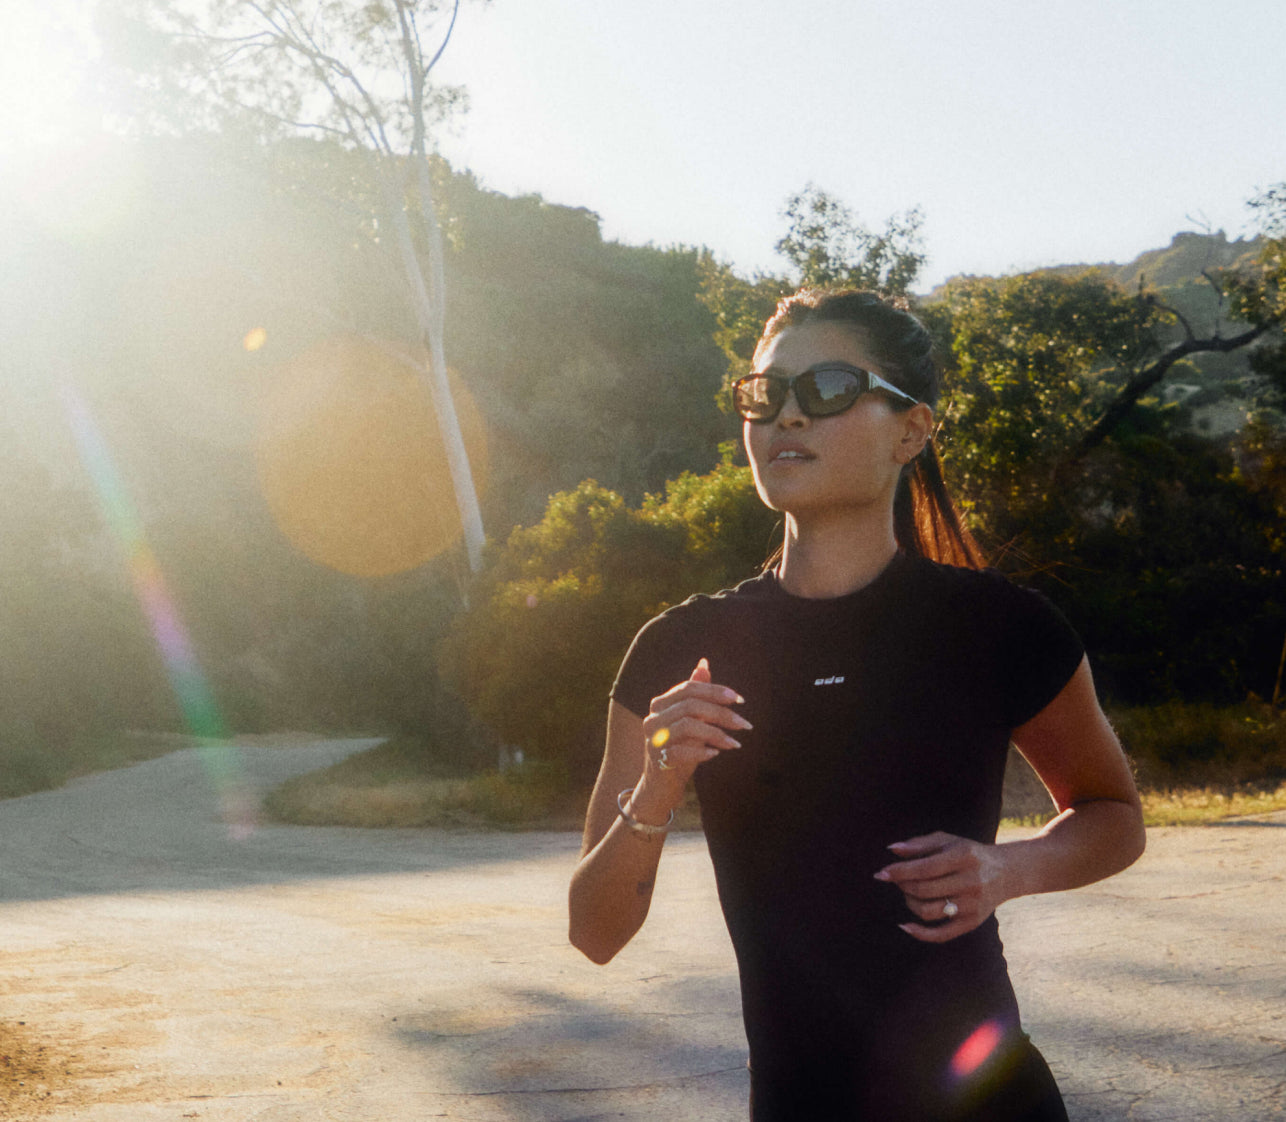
[742,723]
[905,927]
[896,846]
[883,874]
[733,695]
[734,743]
[709,754]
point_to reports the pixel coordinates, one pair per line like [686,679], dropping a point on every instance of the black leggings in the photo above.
[1014,1085]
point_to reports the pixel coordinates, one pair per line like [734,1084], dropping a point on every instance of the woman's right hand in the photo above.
[688,725]
[612,887]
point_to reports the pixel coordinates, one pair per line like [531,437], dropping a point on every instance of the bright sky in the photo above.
[1031,132]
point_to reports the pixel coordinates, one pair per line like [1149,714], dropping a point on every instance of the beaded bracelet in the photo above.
[641,828]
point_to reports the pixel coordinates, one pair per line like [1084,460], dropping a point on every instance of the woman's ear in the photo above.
[917,428]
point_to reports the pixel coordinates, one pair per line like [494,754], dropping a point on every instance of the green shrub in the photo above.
[553,614]
[1180,743]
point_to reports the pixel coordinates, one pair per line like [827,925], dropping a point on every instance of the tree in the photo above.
[1032,359]
[357,72]
[1259,297]
[1163,545]
[826,245]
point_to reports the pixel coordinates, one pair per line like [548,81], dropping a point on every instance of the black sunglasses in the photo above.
[822,391]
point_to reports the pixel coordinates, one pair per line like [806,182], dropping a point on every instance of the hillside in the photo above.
[1214,388]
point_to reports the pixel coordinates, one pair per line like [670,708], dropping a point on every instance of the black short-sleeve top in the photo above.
[878,716]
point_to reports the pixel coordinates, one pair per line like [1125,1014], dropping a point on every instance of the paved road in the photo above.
[170,970]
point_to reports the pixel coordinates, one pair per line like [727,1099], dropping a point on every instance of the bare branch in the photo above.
[1137,386]
[455,11]
[208,37]
[1187,327]
[226,59]
[279,119]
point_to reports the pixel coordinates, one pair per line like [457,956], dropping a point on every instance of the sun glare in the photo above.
[65,173]
[44,55]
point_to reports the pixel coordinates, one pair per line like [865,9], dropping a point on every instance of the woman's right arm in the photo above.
[611,888]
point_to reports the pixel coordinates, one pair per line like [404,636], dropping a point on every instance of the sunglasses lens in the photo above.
[759,398]
[824,392]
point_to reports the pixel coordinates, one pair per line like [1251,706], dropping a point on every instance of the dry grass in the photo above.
[1200,806]
[398,784]
[394,785]
[1190,806]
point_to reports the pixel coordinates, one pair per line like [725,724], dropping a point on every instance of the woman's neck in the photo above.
[821,560]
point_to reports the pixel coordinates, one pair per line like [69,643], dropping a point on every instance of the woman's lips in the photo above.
[789,454]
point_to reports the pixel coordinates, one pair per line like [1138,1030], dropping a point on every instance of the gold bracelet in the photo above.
[641,828]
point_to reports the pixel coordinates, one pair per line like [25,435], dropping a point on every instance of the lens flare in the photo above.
[660,738]
[255,338]
[351,459]
[191,688]
[977,1048]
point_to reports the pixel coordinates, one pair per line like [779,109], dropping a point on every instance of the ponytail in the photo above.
[925,520]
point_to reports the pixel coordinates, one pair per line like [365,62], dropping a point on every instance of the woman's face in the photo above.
[826,465]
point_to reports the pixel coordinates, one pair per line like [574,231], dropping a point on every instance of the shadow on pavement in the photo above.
[156,827]
[571,1053]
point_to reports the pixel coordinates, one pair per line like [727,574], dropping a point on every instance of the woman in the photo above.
[846,716]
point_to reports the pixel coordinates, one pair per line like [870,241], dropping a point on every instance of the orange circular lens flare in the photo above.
[255,338]
[351,460]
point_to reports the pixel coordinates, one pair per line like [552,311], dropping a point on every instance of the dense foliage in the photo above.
[557,608]
[1165,546]
[588,360]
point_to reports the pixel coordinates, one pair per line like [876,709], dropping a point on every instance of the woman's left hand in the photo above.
[949,881]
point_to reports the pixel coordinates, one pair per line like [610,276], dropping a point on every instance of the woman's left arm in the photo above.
[1098,831]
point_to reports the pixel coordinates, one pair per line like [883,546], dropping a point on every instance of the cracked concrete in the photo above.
[177,970]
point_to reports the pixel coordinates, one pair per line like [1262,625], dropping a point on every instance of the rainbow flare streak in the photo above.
[191,687]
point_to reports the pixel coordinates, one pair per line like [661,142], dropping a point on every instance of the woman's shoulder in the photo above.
[703,608]
[1005,606]
[969,584]
[706,625]
[980,598]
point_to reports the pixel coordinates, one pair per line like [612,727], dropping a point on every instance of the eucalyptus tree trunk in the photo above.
[427,303]
[429,298]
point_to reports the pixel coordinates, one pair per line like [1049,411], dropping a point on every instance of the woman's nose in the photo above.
[791,415]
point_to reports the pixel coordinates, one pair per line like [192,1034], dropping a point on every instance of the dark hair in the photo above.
[925,520]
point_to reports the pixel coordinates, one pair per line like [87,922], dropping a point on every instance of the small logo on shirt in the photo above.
[833,680]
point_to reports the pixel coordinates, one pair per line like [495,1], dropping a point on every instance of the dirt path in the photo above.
[156,967]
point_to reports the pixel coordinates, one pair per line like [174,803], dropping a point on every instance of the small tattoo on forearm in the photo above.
[644,887]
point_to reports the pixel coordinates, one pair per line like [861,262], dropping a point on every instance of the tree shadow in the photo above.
[680,1052]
